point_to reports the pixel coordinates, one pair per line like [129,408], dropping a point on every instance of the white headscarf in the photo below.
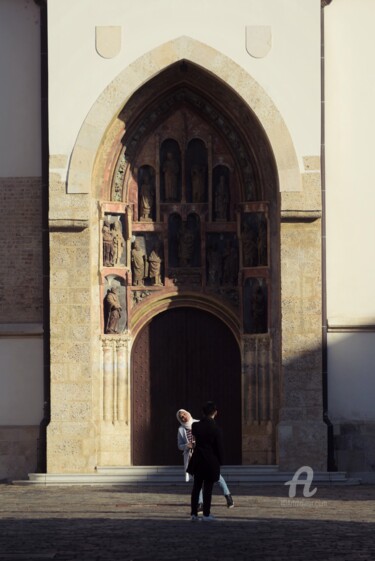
[188,424]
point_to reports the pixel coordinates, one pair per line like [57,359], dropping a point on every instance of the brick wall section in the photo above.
[21,297]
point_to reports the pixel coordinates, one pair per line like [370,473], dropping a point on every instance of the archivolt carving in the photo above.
[212,116]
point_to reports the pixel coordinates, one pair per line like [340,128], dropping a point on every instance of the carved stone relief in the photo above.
[196,172]
[254,240]
[212,116]
[114,305]
[114,246]
[147,259]
[221,194]
[189,242]
[255,306]
[170,171]
[146,195]
[222,259]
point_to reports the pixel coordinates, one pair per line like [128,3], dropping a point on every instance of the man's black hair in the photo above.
[209,408]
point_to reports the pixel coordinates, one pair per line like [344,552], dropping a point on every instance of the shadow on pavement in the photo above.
[171,537]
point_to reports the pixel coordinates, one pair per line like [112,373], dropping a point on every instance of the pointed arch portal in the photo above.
[187,174]
[179,166]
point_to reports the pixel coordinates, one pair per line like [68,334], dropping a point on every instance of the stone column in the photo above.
[258,429]
[114,442]
[108,376]
[121,349]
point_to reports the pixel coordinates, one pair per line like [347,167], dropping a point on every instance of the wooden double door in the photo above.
[181,359]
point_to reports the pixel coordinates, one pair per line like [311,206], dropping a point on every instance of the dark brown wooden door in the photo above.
[181,359]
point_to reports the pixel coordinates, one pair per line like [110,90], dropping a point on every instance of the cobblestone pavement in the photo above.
[153,524]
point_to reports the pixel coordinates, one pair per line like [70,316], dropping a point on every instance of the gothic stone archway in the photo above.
[193,202]
[182,358]
[92,425]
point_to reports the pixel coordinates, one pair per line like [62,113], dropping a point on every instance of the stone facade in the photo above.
[91,365]
[90,396]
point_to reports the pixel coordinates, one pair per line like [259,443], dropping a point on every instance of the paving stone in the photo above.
[153,524]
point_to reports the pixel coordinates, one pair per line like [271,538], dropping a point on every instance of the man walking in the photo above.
[205,461]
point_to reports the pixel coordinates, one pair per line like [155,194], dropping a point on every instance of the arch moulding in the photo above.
[156,305]
[114,97]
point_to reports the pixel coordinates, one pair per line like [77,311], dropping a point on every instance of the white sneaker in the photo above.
[195,518]
[209,518]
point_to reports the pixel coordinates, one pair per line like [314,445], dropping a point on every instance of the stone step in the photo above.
[174,475]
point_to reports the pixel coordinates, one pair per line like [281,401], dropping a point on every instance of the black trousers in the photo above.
[199,481]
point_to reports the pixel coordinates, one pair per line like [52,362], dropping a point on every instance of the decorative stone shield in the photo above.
[108,41]
[258,40]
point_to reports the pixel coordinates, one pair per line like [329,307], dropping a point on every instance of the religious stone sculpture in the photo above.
[108,247]
[259,311]
[170,169]
[215,262]
[186,246]
[221,200]
[255,311]
[197,184]
[118,242]
[254,240]
[146,197]
[249,247]
[138,260]
[155,261]
[114,309]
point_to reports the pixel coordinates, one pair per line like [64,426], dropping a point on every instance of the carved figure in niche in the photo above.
[114,310]
[118,242]
[249,247]
[230,267]
[170,169]
[215,263]
[146,194]
[138,259]
[197,183]
[259,311]
[155,261]
[221,201]
[108,246]
[185,245]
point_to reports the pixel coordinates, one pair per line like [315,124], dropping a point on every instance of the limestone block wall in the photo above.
[302,433]
[71,435]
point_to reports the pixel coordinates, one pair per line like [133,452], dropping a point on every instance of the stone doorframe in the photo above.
[90,396]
